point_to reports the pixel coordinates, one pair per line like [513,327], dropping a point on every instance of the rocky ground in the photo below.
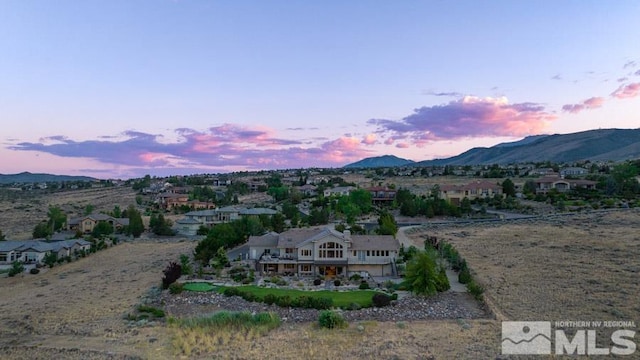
[448,305]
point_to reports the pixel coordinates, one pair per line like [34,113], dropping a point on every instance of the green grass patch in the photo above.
[231,320]
[198,286]
[342,299]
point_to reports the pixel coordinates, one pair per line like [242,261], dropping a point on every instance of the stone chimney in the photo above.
[347,235]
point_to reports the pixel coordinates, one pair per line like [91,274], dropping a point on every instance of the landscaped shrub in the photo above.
[176,288]
[34,271]
[331,320]
[394,296]
[270,299]
[464,277]
[16,268]
[354,306]
[283,301]
[317,282]
[380,300]
[442,281]
[171,274]
[355,277]
[364,285]
[475,290]
[336,282]
[231,291]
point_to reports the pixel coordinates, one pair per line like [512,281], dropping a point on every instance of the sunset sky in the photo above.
[120,89]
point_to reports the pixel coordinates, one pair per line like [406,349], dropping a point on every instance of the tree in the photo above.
[2,236]
[421,274]
[529,187]
[185,265]
[89,209]
[362,199]
[387,224]
[278,223]
[42,230]
[50,259]
[508,188]
[57,218]
[101,229]
[221,258]
[136,226]
[160,226]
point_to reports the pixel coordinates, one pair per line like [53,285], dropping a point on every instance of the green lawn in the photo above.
[198,286]
[340,298]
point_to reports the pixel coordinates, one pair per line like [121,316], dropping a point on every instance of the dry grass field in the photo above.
[582,267]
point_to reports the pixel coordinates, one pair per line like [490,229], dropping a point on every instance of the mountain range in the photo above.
[29,178]
[601,144]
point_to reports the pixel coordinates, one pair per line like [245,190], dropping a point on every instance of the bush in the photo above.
[355,277]
[394,296]
[442,281]
[381,300]
[354,306]
[336,282]
[364,285]
[270,299]
[283,301]
[159,313]
[475,290]
[171,274]
[464,277]
[317,282]
[16,268]
[331,320]
[231,291]
[34,271]
[176,288]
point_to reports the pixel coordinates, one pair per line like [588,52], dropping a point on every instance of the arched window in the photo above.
[330,250]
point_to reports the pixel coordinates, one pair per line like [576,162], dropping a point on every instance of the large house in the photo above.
[338,191]
[325,252]
[560,184]
[34,251]
[381,195]
[478,189]
[192,220]
[86,223]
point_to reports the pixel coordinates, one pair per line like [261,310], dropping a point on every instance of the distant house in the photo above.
[381,194]
[192,220]
[171,200]
[338,191]
[573,171]
[324,251]
[478,189]
[548,183]
[86,223]
[308,190]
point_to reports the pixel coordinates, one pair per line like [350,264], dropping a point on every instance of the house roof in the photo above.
[267,240]
[374,242]
[258,211]
[187,221]
[99,217]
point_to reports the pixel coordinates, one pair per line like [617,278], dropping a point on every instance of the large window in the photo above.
[305,252]
[330,250]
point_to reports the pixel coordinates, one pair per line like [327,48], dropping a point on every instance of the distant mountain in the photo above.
[27,178]
[602,144]
[380,161]
[525,141]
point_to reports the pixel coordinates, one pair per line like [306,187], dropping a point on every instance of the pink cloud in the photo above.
[402,145]
[467,118]
[627,91]
[370,139]
[591,103]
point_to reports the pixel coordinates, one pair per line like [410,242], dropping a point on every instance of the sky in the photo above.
[120,89]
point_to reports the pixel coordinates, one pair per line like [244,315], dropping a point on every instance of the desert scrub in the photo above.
[158,313]
[224,329]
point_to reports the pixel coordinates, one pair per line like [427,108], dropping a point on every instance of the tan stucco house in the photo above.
[324,251]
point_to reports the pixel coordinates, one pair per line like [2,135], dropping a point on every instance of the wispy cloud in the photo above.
[448,94]
[222,146]
[591,103]
[467,118]
[627,91]
[629,64]
[556,77]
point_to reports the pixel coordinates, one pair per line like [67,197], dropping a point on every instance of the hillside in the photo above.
[602,144]
[29,178]
[380,161]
